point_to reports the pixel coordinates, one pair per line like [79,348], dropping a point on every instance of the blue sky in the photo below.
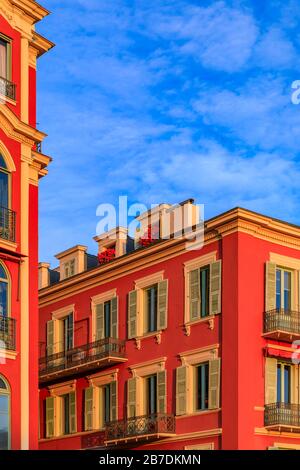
[166,100]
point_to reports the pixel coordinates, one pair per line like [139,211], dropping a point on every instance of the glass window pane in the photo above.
[2,384]
[106,396]
[107,313]
[278,288]
[152,308]
[287,290]
[287,384]
[278,382]
[3,58]
[2,162]
[4,422]
[2,272]
[204,289]
[3,298]
[151,394]
[3,189]
[202,386]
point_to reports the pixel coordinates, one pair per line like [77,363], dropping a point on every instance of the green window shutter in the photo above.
[162,317]
[114,400]
[88,408]
[99,321]
[181,390]
[194,278]
[270,381]
[215,287]
[50,337]
[114,317]
[162,391]
[73,424]
[50,416]
[132,314]
[270,289]
[214,384]
[131,397]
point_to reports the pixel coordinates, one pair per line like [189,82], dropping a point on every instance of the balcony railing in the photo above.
[98,354]
[7,88]
[7,333]
[282,415]
[93,440]
[144,427]
[7,224]
[282,324]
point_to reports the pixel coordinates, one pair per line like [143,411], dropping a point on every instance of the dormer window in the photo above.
[69,268]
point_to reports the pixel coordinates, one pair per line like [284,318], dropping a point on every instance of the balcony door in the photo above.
[284,381]
[151,395]
[283,289]
[4,184]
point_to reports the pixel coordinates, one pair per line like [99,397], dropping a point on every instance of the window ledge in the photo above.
[210,320]
[156,334]
[5,99]
[7,354]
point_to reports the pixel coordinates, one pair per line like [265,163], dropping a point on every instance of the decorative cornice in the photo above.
[17,129]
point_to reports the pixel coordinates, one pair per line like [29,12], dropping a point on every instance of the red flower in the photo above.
[106,255]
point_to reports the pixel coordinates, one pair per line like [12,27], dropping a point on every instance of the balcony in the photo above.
[282,416]
[93,440]
[282,325]
[7,88]
[7,333]
[7,224]
[97,355]
[140,428]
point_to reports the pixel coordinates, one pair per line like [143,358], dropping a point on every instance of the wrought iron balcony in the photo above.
[98,354]
[282,324]
[7,224]
[7,88]
[7,333]
[147,427]
[93,440]
[282,415]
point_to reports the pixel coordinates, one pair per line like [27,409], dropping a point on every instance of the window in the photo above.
[283,383]
[60,335]
[151,394]
[204,290]
[4,289]
[4,415]
[69,267]
[201,383]
[100,405]
[151,297]
[283,289]
[68,327]
[4,184]
[5,58]
[106,319]
[68,414]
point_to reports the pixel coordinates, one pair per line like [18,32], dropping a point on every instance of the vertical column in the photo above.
[24,296]
[24,79]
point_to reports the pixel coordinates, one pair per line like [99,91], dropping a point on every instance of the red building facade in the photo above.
[168,348]
[21,165]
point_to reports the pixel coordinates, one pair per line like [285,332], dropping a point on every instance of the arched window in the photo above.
[4,183]
[4,292]
[4,414]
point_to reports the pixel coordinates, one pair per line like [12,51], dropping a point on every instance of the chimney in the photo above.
[72,261]
[44,276]
[116,239]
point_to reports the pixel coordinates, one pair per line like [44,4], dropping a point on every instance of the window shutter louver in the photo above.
[270,381]
[73,425]
[50,338]
[214,384]
[181,390]
[88,409]
[114,400]
[132,314]
[131,397]
[162,318]
[114,317]
[270,288]
[162,391]
[194,294]
[215,287]
[50,417]
[99,321]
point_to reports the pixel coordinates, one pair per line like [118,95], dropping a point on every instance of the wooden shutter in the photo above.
[270,288]
[181,390]
[214,384]
[88,408]
[132,314]
[194,278]
[50,337]
[270,380]
[114,317]
[131,397]
[99,322]
[50,416]
[162,391]
[215,287]
[114,400]
[162,317]
[72,411]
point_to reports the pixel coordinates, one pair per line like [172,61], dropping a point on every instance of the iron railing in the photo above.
[7,333]
[91,440]
[282,414]
[82,355]
[7,224]
[153,424]
[7,88]
[281,319]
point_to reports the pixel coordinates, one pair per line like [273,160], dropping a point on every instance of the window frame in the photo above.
[8,282]
[9,62]
[7,392]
